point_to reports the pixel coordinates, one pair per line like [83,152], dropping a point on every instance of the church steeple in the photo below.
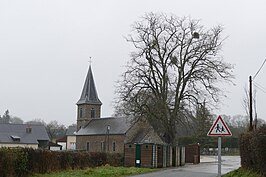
[89,105]
[89,93]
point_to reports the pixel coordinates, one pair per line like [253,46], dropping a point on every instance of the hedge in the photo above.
[210,142]
[253,150]
[24,161]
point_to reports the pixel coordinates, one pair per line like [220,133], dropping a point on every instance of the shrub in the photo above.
[98,159]
[7,162]
[21,162]
[115,159]
[252,150]
[66,160]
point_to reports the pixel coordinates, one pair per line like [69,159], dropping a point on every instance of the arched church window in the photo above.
[80,113]
[92,113]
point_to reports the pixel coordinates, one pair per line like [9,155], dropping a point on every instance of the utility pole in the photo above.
[250,104]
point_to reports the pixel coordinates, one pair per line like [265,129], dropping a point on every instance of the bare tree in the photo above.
[16,120]
[55,130]
[202,123]
[246,105]
[176,64]
[36,122]
[245,102]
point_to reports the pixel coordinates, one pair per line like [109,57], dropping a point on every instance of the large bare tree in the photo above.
[176,64]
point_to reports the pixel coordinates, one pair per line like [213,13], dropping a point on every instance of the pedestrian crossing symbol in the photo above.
[219,128]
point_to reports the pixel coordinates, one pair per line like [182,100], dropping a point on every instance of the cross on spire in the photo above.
[90,60]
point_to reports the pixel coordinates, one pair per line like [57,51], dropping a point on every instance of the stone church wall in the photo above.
[99,143]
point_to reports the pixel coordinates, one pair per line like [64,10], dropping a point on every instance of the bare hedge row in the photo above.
[22,162]
[253,150]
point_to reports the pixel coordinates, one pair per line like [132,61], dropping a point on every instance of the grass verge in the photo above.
[104,171]
[242,173]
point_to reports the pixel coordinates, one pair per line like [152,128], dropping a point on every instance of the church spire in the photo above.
[89,93]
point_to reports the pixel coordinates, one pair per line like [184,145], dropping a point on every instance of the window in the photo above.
[80,113]
[114,146]
[92,113]
[28,130]
[88,146]
[15,138]
[72,145]
[102,147]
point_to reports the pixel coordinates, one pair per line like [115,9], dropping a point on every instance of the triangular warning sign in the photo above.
[219,128]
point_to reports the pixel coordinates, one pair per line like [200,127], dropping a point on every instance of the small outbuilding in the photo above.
[147,149]
[54,146]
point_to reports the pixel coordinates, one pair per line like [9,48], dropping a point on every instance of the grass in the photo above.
[242,173]
[104,171]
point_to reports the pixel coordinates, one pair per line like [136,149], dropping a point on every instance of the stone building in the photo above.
[138,141]
[96,134]
[71,138]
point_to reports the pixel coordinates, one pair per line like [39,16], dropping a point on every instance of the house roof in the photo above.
[9,131]
[146,135]
[89,93]
[98,126]
[71,130]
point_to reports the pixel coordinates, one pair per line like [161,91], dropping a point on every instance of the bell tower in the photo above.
[89,105]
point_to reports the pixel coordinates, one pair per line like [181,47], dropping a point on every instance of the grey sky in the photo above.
[45,45]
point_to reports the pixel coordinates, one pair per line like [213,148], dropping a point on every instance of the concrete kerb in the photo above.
[208,159]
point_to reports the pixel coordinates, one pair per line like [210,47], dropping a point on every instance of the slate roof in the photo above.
[89,93]
[71,130]
[98,126]
[38,132]
[146,135]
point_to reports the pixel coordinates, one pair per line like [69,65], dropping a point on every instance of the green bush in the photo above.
[252,150]
[115,159]
[7,163]
[22,162]
[66,160]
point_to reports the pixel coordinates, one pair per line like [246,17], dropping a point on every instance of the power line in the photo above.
[264,88]
[261,88]
[259,69]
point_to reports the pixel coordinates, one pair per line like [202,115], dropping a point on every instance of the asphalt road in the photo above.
[207,168]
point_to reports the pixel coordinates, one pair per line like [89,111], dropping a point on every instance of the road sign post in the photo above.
[219,129]
[219,156]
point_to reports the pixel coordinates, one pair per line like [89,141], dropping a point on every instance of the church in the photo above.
[109,134]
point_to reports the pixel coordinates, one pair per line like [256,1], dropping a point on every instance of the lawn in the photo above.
[104,171]
[241,173]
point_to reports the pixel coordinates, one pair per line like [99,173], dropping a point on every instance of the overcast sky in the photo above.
[45,46]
